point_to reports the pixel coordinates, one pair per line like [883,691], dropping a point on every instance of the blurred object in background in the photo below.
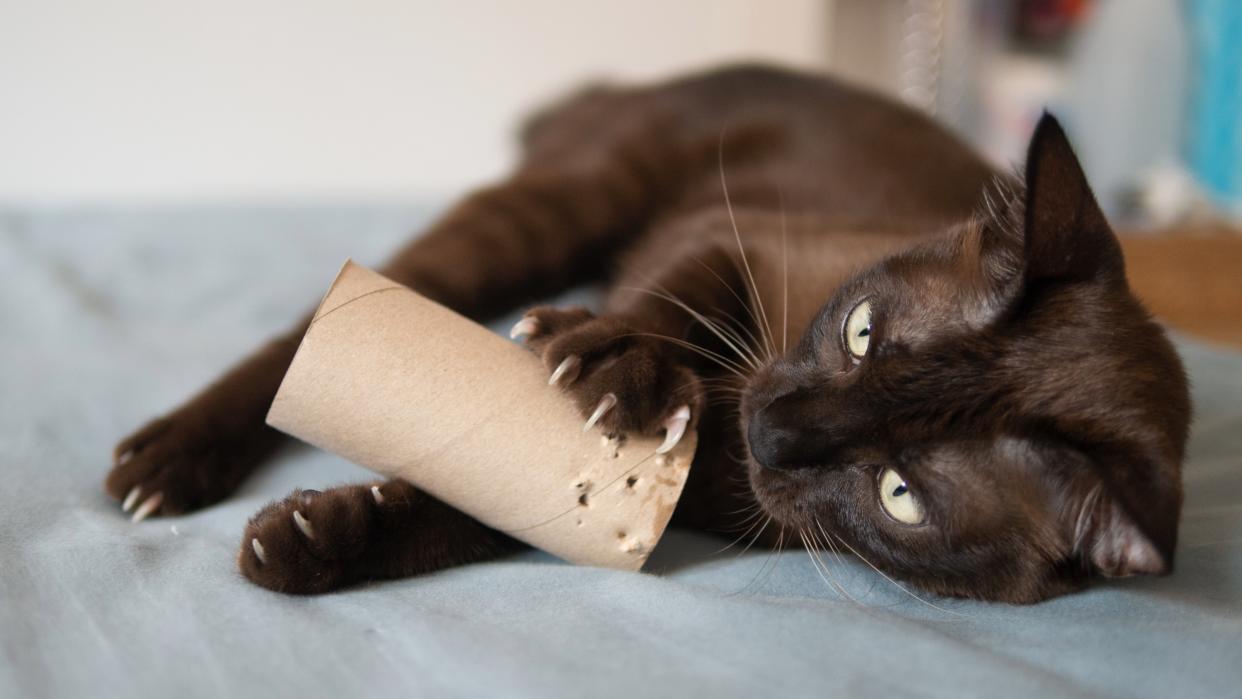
[140,102]
[1215,126]
[1149,89]
[1188,277]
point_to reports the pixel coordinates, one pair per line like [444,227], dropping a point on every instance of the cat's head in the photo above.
[992,414]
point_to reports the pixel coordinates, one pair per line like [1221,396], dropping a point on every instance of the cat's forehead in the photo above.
[919,298]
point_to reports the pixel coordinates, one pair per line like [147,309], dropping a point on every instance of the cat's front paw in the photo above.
[314,541]
[183,462]
[622,379]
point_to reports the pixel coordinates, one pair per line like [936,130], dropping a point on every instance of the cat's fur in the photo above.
[1014,380]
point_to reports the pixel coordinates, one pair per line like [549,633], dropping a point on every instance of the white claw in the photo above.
[674,428]
[524,327]
[147,507]
[605,404]
[569,365]
[131,499]
[375,493]
[259,553]
[303,524]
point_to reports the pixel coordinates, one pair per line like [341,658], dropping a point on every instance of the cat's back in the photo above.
[838,149]
[808,141]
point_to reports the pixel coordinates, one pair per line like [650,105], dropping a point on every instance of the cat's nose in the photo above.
[768,444]
[783,445]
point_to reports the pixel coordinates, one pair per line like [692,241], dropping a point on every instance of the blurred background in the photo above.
[146,103]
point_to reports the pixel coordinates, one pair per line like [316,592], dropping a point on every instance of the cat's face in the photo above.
[991,415]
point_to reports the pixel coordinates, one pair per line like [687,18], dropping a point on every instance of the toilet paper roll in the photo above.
[407,388]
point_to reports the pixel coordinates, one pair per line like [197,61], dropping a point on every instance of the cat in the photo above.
[887,347]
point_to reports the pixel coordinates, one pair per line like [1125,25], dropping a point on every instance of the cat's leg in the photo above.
[547,227]
[313,542]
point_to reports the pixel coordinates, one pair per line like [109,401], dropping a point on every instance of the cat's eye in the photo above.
[897,500]
[857,330]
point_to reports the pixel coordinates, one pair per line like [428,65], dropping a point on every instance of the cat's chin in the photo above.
[786,495]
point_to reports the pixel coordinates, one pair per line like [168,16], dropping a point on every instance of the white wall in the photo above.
[156,101]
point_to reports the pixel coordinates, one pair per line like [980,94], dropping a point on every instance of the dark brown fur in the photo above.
[1016,383]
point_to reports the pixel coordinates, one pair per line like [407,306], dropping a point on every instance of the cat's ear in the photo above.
[1112,543]
[1067,236]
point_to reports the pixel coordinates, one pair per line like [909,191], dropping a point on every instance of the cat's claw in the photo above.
[524,327]
[567,369]
[304,525]
[377,495]
[259,553]
[605,404]
[147,507]
[674,428]
[131,499]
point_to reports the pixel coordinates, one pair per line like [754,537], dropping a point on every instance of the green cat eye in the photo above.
[857,330]
[897,500]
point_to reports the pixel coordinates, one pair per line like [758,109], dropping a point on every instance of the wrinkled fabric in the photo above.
[110,317]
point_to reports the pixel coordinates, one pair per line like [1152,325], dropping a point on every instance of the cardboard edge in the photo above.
[347,265]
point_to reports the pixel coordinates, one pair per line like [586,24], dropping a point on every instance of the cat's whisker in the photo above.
[775,557]
[662,292]
[736,345]
[819,542]
[821,567]
[746,523]
[753,539]
[724,186]
[763,568]
[751,511]
[882,574]
[728,322]
[784,276]
[725,322]
[723,361]
[748,305]
[743,535]
[836,552]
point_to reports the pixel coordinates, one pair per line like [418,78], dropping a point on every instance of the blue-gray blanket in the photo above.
[108,318]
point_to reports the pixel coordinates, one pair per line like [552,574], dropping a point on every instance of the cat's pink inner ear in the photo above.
[1120,549]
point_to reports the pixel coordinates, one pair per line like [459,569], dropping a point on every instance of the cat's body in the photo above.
[628,186]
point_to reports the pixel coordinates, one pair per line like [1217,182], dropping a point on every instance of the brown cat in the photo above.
[884,344]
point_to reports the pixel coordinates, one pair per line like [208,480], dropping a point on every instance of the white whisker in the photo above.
[706,322]
[724,186]
[785,277]
[896,584]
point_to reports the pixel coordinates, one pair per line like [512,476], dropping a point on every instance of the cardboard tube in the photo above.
[407,388]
